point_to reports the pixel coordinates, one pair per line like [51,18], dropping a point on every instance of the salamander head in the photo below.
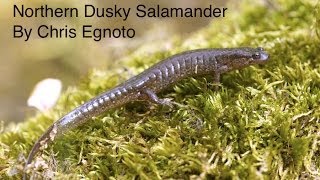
[258,56]
[242,57]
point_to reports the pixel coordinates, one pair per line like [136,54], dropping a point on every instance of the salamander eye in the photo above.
[260,49]
[256,55]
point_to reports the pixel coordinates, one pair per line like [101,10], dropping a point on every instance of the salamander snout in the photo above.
[260,56]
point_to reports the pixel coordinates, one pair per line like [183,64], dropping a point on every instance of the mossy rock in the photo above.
[263,123]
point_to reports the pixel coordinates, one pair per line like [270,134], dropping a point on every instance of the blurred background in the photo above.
[23,64]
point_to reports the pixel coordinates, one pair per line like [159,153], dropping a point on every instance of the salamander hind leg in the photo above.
[149,95]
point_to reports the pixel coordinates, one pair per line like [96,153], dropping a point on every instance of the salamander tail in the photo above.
[42,143]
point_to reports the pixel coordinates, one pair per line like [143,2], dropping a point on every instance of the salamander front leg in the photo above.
[217,76]
[152,97]
[216,81]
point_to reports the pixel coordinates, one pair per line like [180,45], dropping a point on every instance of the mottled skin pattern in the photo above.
[153,80]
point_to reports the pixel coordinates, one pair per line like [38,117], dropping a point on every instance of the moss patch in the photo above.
[262,123]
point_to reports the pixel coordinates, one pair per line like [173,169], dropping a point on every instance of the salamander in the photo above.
[147,84]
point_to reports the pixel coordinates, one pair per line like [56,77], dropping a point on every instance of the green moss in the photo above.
[262,123]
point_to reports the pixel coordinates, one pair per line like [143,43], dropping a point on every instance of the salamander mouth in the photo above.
[264,57]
